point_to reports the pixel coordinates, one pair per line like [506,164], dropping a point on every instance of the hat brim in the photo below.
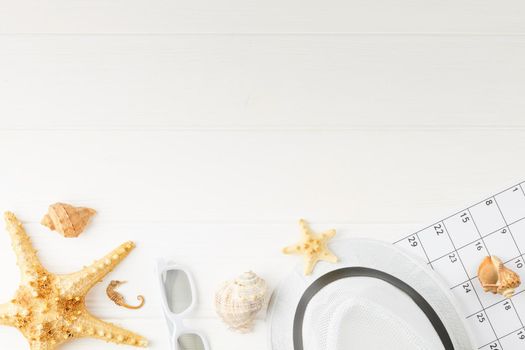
[372,255]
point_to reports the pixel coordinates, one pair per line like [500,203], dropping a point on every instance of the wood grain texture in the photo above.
[256,176]
[271,16]
[204,130]
[217,82]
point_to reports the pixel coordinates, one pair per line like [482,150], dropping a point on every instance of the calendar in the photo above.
[455,246]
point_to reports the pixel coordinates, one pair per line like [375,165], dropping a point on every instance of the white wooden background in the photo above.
[203,130]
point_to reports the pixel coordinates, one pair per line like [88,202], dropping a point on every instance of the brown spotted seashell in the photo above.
[66,219]
[496,278]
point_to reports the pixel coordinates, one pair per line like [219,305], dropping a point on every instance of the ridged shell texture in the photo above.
[237,302]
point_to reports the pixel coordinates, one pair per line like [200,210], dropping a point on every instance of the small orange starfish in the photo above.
[313,247]
[50,309]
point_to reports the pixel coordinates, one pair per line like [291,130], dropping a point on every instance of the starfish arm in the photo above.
[329,256]
[306,232]
[79,283]
[293,249]
[325,236]
[38,345]
[90,326]
[310,264]
[26,255]
[8,312]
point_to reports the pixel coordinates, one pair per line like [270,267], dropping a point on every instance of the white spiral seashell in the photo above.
[237,302]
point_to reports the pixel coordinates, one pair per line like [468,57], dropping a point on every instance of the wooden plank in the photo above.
[272,16]
[239,82]
[258,176]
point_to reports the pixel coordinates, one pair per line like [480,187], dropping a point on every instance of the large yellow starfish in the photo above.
[313,247]
[50,309]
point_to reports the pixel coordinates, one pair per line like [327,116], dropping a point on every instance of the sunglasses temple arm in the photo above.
[174,338]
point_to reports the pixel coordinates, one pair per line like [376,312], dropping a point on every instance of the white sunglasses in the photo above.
[178,298]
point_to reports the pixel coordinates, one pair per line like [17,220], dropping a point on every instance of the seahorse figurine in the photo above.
[119,299]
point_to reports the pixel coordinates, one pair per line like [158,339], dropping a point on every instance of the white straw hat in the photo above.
[376,297]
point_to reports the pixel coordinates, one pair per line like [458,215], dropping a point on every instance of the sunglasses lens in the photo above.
[190,342]
[178,291]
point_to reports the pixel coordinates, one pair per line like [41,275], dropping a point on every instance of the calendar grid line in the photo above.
[506,335]
[488,252]
[477,230]
[520,185]
[459,211]
[517,313]
[475,277]
[474,241]
[494,225]
[508,227]
[501,228]
[424,251]
[517,247]
[516,330]
[474,289]
[467,244]
[494,304]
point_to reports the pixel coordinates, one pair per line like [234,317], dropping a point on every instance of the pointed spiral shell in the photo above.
[66,219]
[496,278]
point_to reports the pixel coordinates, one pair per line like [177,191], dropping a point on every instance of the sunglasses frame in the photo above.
[176,321]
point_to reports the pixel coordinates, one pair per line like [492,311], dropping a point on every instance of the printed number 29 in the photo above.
[412,240]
